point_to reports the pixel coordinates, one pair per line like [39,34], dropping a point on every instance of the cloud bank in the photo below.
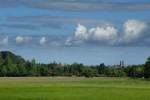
[107,34]
[133,33]
[79,5]
[100,33]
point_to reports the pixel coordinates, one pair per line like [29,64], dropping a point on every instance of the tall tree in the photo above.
[147,68]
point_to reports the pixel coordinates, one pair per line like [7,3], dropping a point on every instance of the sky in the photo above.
[82,31]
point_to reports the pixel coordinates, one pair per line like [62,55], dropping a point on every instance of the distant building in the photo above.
[122,65]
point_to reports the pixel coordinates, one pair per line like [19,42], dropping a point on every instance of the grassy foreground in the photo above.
[65,88]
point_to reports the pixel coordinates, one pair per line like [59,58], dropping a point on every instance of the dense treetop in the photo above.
[13,65]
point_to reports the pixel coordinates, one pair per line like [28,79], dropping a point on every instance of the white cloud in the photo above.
[106,32]
[133,29]
[134,32]
[81,32]
[103,33]
[68,41]
[21,39]
[4,41]
[43,40]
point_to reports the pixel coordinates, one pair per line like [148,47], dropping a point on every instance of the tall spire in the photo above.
[121,64]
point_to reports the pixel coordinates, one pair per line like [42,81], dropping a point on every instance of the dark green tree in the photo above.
[147,68]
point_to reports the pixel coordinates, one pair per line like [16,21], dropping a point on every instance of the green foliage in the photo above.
[135,71]
[147,68]
[13,65]
[102,69]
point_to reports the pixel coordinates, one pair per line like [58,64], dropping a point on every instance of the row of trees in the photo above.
[12,65]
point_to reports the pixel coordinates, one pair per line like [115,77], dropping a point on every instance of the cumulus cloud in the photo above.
[132,32]
[133,29]
[107,34]
[43,40]
[21,39]
[4,41]
[103,33]
[81,32]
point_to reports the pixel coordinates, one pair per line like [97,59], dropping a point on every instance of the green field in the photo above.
[65,88]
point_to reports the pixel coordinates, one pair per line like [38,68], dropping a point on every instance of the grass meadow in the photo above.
[73,88]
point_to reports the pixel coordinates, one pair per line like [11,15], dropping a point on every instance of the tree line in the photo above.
[12,65]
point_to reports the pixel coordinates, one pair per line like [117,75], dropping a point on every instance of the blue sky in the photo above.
[83,31]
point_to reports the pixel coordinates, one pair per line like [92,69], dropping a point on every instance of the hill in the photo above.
[7,56]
